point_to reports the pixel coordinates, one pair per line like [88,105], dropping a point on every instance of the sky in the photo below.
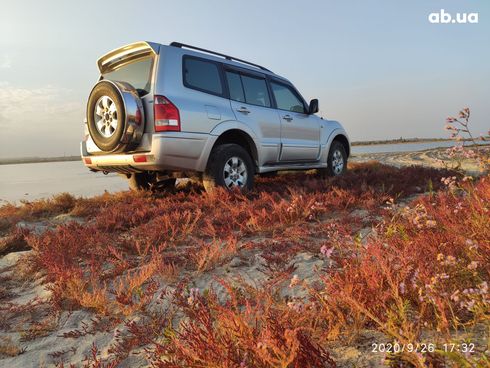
[377,66]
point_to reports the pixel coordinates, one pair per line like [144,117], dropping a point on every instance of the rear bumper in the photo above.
[176,151]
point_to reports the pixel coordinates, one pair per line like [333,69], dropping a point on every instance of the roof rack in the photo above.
[227,57]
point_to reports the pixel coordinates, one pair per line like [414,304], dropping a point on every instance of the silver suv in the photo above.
[159,112]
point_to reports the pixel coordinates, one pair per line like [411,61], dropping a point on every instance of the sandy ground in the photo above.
[50,345]
[437,158]
[53,342]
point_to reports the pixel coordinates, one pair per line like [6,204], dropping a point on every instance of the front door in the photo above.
[251,103]
[300,132]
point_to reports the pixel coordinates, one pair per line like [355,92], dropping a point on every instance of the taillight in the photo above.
[139,158]
[166,115]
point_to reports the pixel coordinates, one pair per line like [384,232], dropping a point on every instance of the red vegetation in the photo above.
[426,270]
[423,268]
[250,329]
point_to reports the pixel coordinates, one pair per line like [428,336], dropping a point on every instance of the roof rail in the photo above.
[227,57]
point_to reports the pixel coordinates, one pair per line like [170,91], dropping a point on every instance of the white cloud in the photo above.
[48,105]
[5,62]
[40,121]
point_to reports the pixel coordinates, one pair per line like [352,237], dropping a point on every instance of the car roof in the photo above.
[145,47]
[222,58]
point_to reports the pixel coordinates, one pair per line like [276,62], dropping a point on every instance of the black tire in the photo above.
[112,143]
[148,181]
[166,185]
[141,181]
[215,175]
[337,151]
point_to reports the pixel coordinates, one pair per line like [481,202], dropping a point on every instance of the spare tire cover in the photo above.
[115,116]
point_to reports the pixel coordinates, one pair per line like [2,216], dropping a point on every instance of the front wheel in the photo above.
[337,160]
[229,166]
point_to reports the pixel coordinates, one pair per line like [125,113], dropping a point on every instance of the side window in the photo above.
[287,98]
[244,88]
[235,87]
[256,92]
[202,75]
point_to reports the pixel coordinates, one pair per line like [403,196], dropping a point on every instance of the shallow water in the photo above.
[41,180]
[401,147]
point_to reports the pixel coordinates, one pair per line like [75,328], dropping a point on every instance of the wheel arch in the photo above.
[340,135]
[344,141]
[240,137]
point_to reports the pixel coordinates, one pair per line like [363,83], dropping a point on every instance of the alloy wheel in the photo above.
[235,173]
[105,116]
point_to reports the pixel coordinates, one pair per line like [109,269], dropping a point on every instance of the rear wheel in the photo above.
[141,181]
[229,166]
[148,181]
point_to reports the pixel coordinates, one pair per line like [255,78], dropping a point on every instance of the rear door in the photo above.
[300,132]
[251,102]
[203,102]
[137,71]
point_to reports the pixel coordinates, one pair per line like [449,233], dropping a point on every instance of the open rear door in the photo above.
[126,54]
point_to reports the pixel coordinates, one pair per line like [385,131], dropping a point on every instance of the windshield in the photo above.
[137,73]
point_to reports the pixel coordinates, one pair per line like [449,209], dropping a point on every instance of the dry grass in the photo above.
[14,241]
[40,328]
[8,348]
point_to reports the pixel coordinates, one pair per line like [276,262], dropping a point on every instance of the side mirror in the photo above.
[313,108]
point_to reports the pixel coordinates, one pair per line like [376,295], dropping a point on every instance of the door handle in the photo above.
[287,118]
[243,110]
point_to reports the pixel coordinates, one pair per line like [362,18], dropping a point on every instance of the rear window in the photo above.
[202,75]
[235,87]
[137,73]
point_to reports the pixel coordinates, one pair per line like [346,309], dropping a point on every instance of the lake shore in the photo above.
[437,158]
[37,160]
[398,141]
[28,182]
[32,160]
